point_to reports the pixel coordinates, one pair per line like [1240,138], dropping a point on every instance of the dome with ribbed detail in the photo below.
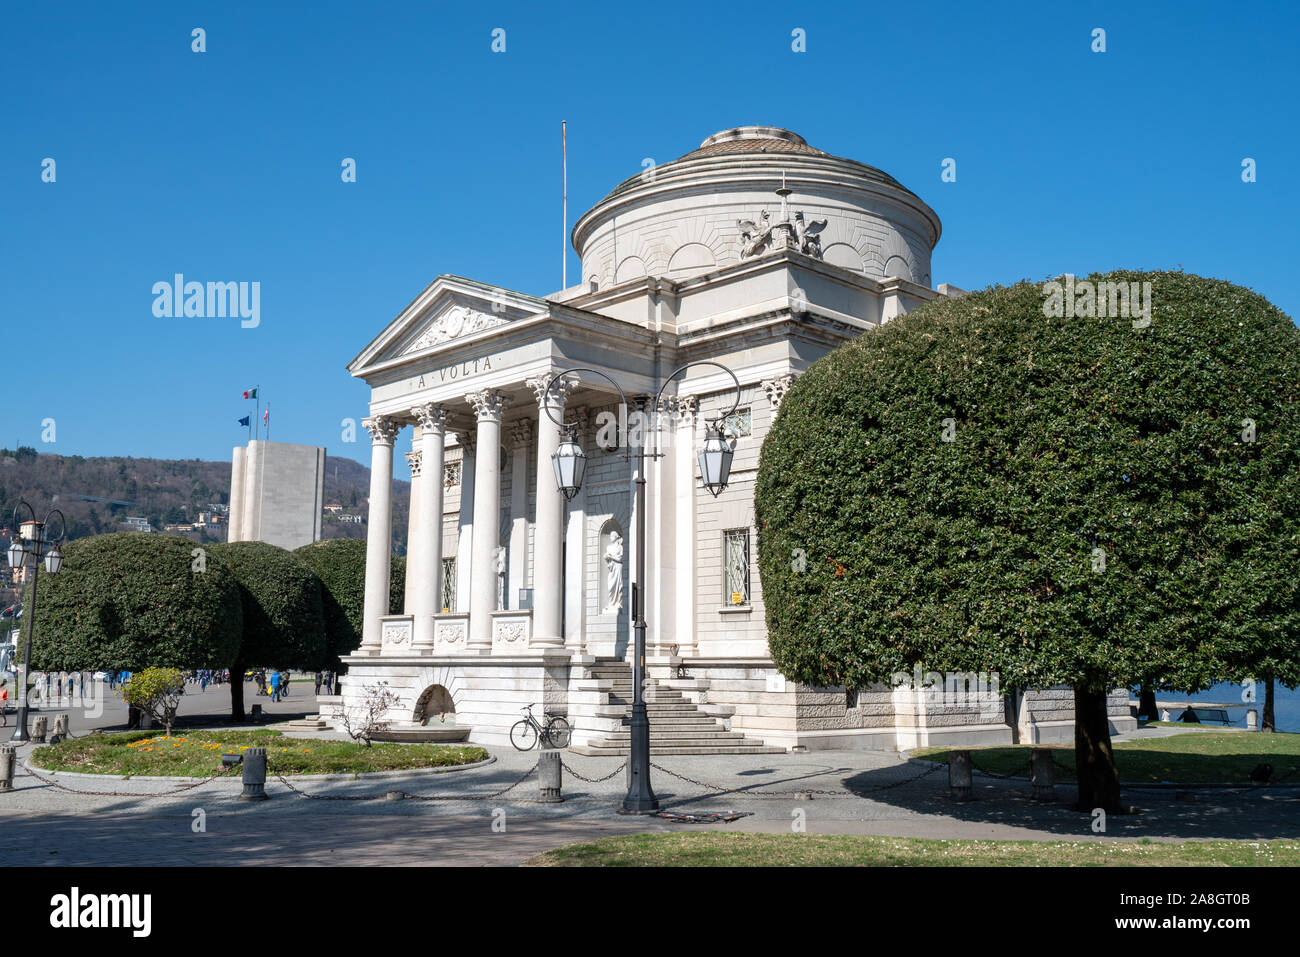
[689,216]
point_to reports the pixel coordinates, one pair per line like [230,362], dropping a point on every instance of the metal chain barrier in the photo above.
[27,770]
[407,794]
[744,791]
[582,777]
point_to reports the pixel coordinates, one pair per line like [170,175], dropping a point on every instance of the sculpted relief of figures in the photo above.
[614,572]
[758,237]
[455,322]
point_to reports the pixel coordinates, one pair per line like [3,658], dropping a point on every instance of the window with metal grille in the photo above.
[448,585]
[739,423]
[451,474]
[735,556]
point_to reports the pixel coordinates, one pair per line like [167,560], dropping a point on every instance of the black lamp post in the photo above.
[33,543]
[715,468]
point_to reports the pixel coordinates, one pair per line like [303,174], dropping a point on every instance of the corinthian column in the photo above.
[379,528]
[548,600]
[488,404]
[414,560]
[428,530]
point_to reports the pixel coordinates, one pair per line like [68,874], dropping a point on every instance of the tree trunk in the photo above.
[1267,722]
[1093,758]
[237,691]
[1147,703]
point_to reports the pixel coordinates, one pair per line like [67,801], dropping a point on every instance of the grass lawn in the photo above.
[732,849]
[198,754]
[1198,757]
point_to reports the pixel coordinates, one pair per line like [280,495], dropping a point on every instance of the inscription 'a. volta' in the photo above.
[460,370]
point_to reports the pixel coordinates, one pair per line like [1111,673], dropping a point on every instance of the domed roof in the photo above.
[709,208]
[752,141]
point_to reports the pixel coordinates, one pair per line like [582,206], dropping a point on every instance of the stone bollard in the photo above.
[254,775]
[61,725]
[550,776]
[7,754]
[1041,774]
[959,775]
[39,728]
[257,713]
[146,721]
[1252,720]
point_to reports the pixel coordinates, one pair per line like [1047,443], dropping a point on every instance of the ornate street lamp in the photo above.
[570,465]
[33,543]
[715,469]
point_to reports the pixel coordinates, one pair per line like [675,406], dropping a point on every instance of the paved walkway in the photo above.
[841,792]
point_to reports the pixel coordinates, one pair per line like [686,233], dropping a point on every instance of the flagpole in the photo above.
[257,398]
[564,205]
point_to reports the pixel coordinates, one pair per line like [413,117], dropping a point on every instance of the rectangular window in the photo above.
[735,557]
[448,585]
[739,424]
[451,475]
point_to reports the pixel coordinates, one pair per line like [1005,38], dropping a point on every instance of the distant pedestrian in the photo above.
[284,684]
[318,682]
[275,686]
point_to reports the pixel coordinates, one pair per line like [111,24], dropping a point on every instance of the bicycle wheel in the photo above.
[558,732]
[523,735]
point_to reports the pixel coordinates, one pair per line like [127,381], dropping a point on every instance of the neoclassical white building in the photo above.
[757,251]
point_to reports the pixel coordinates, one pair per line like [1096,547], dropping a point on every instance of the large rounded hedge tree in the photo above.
[998,484]
[284,620]
[131,601]
[340,563]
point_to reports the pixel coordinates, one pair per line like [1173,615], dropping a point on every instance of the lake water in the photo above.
[1286,703]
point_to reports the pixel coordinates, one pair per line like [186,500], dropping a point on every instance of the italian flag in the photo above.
[250,394]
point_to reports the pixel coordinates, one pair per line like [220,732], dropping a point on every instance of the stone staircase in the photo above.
[677,724]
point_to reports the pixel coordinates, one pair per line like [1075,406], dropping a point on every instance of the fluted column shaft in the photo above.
[379,529]
[548,597]
[414,560]
[432,420]
[488,405]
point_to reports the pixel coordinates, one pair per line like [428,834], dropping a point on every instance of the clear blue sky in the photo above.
[225,166]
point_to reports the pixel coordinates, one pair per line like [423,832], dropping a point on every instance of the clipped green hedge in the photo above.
[284,619]
[883,547]
[340,563]
[133,600]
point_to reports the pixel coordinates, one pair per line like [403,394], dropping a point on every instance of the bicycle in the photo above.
[526,732]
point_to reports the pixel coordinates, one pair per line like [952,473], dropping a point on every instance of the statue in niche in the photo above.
[499,563]
[614,572]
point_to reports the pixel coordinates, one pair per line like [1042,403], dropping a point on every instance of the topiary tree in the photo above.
[131,601]
[986,485]
[157,692]
[284,623]
[340,563]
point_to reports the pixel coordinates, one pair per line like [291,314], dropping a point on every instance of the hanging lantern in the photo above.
[570,464]
[715,460]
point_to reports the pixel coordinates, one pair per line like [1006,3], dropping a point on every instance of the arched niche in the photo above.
[613,563]
[633,267]
[843,255]
[691,259]
[435,707]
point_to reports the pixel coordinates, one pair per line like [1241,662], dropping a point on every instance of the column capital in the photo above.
[684,408]
[383,429]
[414,460]
[465,439]
[776,389]
[561,390]
[521,432]
[431,417]
[487,403]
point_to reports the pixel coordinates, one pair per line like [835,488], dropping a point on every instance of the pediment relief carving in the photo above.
[455,323]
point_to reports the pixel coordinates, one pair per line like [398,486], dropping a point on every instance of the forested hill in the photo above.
[96,494]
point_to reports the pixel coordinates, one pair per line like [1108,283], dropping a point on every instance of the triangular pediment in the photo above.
[449,310]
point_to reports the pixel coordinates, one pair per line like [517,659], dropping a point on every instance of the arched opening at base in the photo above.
[435,707]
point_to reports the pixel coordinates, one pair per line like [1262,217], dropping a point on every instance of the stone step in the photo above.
[655,751]
[684,740]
